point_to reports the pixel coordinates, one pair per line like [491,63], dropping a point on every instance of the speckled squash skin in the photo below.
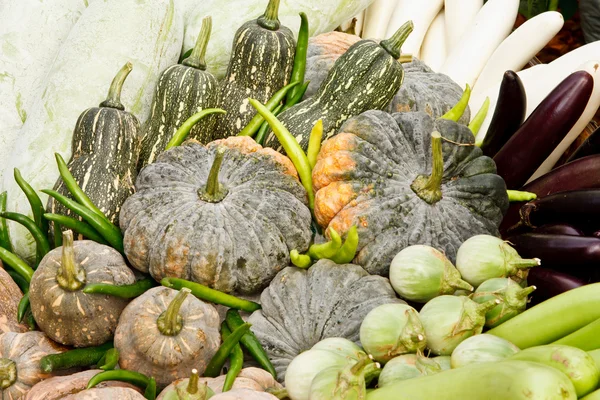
[75,318]
[107,393]
[23,352]
[302,307]
[363,177]
[10,295]
[143,348]
[237,244]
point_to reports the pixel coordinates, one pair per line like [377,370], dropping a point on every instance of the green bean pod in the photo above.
[122,375]
[214,296]
[84,357]
[262,132]
[297,97]
[300,260]
[184,130]
[236,360]
[16,263]
[23,306]
[41,241]
[327,249]
[215,365]
[150,392]
[122,291]
[347,252]
[57,235]
[80,227]
[477,121]
[4,236]
[517,196]
[34,201]
[459,109]
[19,280]
[314,143]
[299,67]
[250,342]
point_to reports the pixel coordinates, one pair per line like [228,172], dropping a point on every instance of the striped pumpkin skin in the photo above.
[25,350]
[261,63]
[181,92]
[366,77]
[143,348]
[73,317]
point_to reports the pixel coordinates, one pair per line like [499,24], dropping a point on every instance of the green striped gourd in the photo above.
[261,63]
[183,90]
[105,149]
[366,77]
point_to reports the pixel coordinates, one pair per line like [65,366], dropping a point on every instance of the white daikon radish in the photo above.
[491,26]
[433,50]
[575,58]
[459,17]
[519,48]
[593,68]
[377,17]
[421,13]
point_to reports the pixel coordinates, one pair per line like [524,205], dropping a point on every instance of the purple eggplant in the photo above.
[590,147]
[545,128]
[550,283]
[508,116]
[559,229]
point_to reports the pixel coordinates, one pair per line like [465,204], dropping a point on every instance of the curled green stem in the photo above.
[300,260]
[394,44]
[70,275]
[114,92]
[185,129]
[475,124]
[429,188]
[197,58]
[347,252]
[170,321]
[327,249]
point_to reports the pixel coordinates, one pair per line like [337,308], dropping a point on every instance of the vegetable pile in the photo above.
[369,213]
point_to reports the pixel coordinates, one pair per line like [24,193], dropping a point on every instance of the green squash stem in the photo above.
[184,130]
[270,19]
[394,44]
[328,249]
[197,58]
[300,260]
[170,322]
[347,252]
[475,124]
[459,109]
[114,92]
[429,188]
[70,276]
[516,196]
[8,373]
[193,386]
[214,192]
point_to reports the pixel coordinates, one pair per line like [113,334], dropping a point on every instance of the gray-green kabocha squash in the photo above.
[182,90]
[165,333]
[406,179]
[20,355]
[105,149]
[261,63]
[365,77]
[225,215]
[422,89]
[302,307]
[61,309]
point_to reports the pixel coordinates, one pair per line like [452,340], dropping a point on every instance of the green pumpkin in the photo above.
[401,185]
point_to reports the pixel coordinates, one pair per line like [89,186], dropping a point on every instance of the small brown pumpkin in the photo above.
[107,393]
[20,355]
[165,333]
[59,306]
[10,295]
[56,388]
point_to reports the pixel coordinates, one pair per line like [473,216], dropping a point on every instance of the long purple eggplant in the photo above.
[589,147]
[550,283]
[583,173]
[559,229]
[545,128]
[508,116]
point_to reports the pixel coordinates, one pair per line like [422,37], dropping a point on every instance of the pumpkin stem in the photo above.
[70,275]
[114,92]
[193,387]
[8,373]
[270,19]
[394,44]
[196,59]
[170,322]
[214,192]
[429,188]
[277,392]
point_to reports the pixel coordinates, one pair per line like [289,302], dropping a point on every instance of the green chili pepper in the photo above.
[34,201]
[123,375]
[4,236]
[300,57]
[292,148]
[74,358]
[41,241]
[110,360]
[57,235]
[214,367]
[348,250]
[150,392]
[19,280]
[122,291]
[75,225]
[272,104]
[314,143]
[236,359]
[110,232]
[475,124]
[16,263]
[297,97]
[459,109]
[300,260]
[328,249]
[30,320]
[23,306]
[250,342]
[517,195]
[185,129]
[262,132]
[214,296]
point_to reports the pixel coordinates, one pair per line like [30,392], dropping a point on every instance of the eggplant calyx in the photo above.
[451,280]
[473,316]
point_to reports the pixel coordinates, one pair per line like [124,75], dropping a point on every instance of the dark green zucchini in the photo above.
[261,63]
[366,77]
[105,150]
[182,90]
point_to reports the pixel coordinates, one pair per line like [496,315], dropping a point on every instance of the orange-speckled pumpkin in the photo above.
[165,334]
[406,179]
[10,295]
[20,355]
[59,306]
[225,215]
